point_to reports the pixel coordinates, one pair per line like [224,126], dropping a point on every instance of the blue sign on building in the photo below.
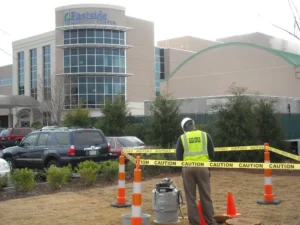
[87,17]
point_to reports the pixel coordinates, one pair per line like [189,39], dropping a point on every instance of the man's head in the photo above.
[187,124]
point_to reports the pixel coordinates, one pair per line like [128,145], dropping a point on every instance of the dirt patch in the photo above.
[92,205]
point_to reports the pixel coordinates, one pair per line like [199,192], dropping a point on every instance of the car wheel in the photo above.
[52,162]
[10,162]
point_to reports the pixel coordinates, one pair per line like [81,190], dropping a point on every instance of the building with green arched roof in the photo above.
[200,72]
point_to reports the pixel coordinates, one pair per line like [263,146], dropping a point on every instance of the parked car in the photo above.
[4,168]
[58,146]
[1,145]
[13,136]
[117,144]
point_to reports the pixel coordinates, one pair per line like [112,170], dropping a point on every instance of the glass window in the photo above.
[4,81]
[47,72]
[63,138]
[21,73]
[87,137]
[94,60]
[92,36]
[33,72]
[43,139]
[82,88]
[91,88]
[100,99]
[30,139]
[108,79]
[91,60]
[108,89]
[16,132]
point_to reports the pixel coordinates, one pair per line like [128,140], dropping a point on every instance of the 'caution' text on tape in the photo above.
[228,165]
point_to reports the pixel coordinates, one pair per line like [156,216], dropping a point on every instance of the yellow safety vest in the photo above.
[195,146]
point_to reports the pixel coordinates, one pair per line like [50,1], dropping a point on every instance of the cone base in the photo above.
[116,205]
[232,216]
[274,202]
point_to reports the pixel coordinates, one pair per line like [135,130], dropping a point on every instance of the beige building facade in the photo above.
[203,72]
[95,53]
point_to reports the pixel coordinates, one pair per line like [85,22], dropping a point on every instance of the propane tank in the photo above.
[166,201]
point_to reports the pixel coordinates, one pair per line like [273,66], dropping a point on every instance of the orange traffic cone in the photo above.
[231,211]
[202,220]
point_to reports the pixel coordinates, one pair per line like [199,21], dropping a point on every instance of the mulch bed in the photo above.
[77,185]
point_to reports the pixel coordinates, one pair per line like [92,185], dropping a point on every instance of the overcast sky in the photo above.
[207,19]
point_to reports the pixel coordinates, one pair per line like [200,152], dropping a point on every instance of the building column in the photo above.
[31,117]
[10,119]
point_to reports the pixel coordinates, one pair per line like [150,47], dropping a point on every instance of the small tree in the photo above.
[268,123]
[165,120]
[246,120]
[114,119]
[77,117]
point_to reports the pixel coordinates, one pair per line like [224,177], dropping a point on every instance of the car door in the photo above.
[24,154]
[38,151]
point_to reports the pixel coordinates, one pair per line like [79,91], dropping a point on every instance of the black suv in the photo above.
[58,146]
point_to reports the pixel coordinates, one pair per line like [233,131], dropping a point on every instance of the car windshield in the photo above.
[4,133]
[130,142]
[88,137]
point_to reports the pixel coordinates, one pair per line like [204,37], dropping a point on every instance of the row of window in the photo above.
[91,60]
[91,91]
[47,72]
[89,101]
[94,36]
[21,73]
[91,85]
[4,81]
[159,68]
[33,72]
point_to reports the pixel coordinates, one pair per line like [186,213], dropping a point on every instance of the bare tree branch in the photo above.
[55,94]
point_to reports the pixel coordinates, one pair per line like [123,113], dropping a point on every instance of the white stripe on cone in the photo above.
[136,211]
[121,168]
[137,187]
[268,180]
[121,183]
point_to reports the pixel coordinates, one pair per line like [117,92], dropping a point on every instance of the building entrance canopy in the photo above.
[12,101]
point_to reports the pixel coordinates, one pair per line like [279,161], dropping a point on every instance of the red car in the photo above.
[13,136]
[117,144]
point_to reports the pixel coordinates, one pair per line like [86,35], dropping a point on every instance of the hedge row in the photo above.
[25,179]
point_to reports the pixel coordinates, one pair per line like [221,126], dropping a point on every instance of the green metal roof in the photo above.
[291,58]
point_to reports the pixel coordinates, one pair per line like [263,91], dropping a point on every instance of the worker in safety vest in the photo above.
[196,146]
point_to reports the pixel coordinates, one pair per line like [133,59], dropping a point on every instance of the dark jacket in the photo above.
[210,148]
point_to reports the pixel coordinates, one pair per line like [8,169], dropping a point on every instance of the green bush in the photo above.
[129,168]
[56,177]
[23,179]
[3,181]
[88,171]
[110,170]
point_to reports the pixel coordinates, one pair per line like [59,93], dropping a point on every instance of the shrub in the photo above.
[3,181]
[129,168]
[110,170]
[56,177]
[88,171]
[23,179]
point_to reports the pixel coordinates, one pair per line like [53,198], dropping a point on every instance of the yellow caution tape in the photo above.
[286,154]
[140,151]
[131,159]
[227,165]
[220,149]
